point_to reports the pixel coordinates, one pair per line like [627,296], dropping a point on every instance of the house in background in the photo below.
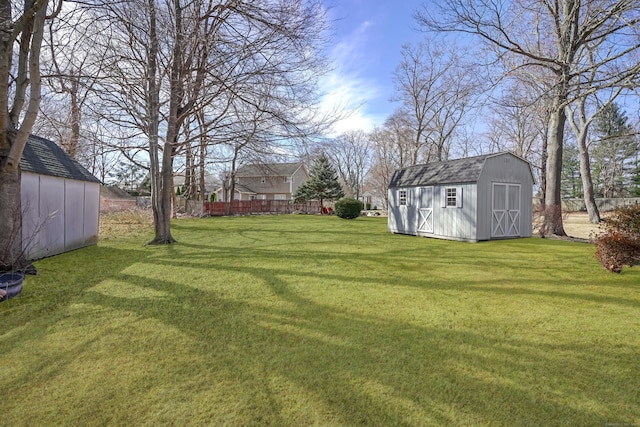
[113,199]
[477,198]
[275,181]
[60,201]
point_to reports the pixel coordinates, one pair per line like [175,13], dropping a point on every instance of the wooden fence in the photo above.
[250,207]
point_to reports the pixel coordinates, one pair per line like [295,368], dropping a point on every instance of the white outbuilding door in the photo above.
[505,215]
[425,210]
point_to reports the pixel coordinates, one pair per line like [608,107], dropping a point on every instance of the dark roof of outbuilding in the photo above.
[44,157]
[268,169]
[447,172]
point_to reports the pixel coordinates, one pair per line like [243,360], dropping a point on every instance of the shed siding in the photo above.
[59,214]
[91,206]
[397,215]
[74,214]
[448,222]
[506,169]
[51,216]
[456,223]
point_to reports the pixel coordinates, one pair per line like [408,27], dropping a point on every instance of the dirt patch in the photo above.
[123,223]
[577,224]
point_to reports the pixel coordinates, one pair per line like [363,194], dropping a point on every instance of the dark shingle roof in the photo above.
[269,169]
[451,171]
[244,189]
[44,157]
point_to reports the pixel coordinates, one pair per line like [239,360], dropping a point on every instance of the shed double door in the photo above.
[425,209]
[505,211]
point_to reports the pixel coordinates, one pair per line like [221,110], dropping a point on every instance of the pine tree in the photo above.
[614,153]
[322,183]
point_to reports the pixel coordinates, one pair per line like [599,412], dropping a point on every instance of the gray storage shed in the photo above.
[476,198]
[60,201]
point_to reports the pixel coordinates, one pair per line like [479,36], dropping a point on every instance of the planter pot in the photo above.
[10,285]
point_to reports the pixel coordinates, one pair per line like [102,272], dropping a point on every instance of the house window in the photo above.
[287,179]
[402,197]
[261,197]
[279,197]
[451,197]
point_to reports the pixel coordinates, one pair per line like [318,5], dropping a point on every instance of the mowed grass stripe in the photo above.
[310,320]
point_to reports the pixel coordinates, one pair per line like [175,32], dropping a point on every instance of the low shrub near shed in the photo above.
[348,208]
[620,244]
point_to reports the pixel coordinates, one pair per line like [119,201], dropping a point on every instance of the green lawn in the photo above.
[308,320]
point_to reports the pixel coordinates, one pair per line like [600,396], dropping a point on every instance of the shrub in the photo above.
[348,208]
[620,244]
[368,206]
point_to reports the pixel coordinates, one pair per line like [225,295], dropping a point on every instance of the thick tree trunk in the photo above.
[160,184]
[553,196]
[543,165]
[12,256]
[587,185]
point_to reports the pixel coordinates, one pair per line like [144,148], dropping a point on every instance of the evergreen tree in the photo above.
[322,183]
[614,153]
[571,182]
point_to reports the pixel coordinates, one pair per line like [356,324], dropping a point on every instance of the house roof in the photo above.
[243,189]
[114,193]
[268,169]
[447,172]
[44,157]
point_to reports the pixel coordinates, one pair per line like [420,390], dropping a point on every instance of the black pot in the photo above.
[11,284]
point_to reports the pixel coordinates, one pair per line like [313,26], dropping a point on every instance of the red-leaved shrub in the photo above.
[620,244]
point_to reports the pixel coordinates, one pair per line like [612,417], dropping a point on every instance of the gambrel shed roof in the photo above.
[447,172]
[44,157]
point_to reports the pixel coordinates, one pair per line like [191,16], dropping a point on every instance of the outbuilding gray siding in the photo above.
[60,201]
[507,169]
[480,189]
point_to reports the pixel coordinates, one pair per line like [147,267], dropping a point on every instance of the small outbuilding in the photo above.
[60,201]
[472,199]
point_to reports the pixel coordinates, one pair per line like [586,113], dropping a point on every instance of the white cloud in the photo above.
[345,89]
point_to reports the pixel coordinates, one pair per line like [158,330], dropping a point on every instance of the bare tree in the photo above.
[520,121]
[20,85]
[73,59]
[552,36]
[392,147]
[173,60]
[436,89]
[350,152]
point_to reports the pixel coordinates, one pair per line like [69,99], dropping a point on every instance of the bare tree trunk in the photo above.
[587,181]
[581,132]
[153,110]
[553,197]
[71,146]
[12,257]
[17,120]
[163,224]
[203,155]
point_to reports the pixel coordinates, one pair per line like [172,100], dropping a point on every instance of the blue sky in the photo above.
[368,35]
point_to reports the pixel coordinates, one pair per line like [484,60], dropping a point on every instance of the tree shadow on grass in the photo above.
[281,357]
[362,369]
